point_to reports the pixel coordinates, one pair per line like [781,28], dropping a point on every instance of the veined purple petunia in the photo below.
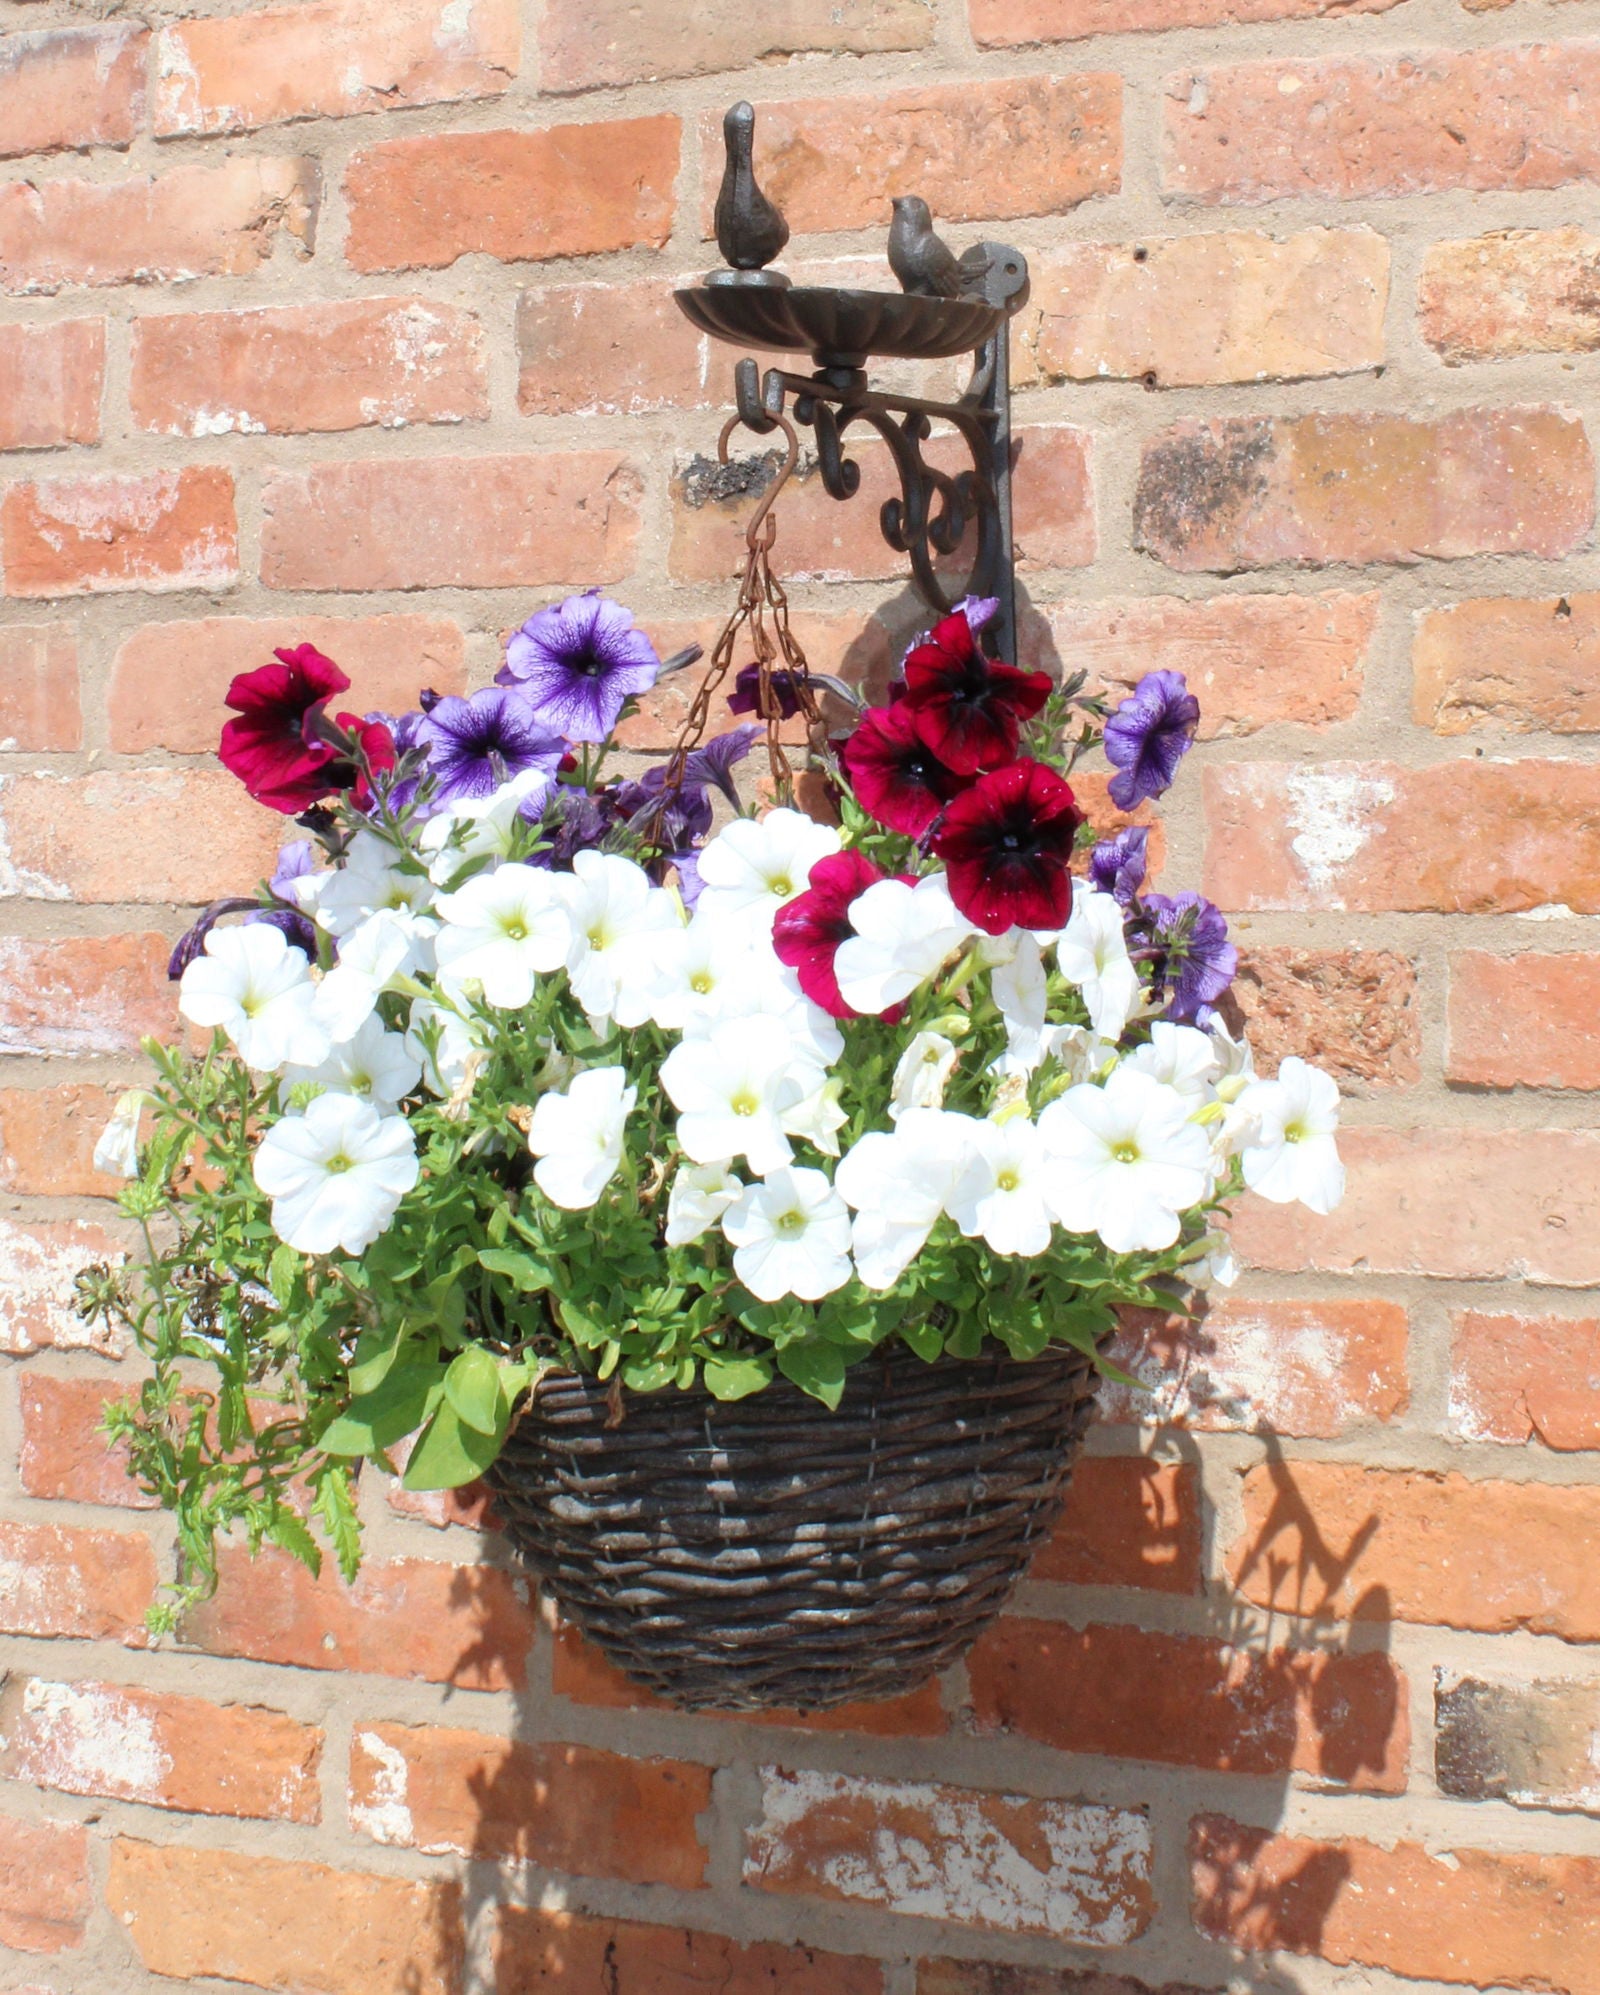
[1199,961]
[474,745]
[578,663]
[1117,865]
[1148,736]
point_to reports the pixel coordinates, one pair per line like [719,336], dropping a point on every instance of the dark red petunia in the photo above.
[1006,844]
[896,777]
[273,748]
[376,743]
[807,931]
[964,707]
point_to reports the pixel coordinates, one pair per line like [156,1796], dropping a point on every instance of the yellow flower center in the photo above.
[1295,1132]
[782,886]
[339,1162]
[744,1104]
[1008,1180]
[1125,1153]
[701,982]
[515,930]
[790,1222]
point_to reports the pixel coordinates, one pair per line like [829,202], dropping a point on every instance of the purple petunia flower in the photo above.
[475,745]
[578,663]
[1198,961]
[746,694]
[577,821]
[1148,736]
[710,766]
[1117,865]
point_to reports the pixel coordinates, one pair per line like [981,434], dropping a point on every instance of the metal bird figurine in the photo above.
[750,230]
[925,265]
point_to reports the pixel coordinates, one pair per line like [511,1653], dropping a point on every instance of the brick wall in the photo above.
[308,308]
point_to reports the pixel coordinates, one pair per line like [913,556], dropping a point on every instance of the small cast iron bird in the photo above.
[750,230]
[924,263]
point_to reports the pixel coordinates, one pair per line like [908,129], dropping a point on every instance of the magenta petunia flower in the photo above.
[273,747]
[897,778]
[965,708]
[1148,736]
[1006,844]
[807,931]
[578,664]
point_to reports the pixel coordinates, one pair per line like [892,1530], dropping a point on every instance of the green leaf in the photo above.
[282,1272]
[925,1338]
[449,1453]
[335,1505]
[472,1387]
[817,1368]
[581,1327]
[373,1357]
[378,1419]
[736,1378]
[290,1535]
[529,1275]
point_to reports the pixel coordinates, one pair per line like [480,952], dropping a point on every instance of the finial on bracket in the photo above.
[750,229]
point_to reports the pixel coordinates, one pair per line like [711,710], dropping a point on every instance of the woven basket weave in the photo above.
[768,1553]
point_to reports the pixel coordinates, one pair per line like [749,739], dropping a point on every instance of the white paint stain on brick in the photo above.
[1333,811]
[1265,1374]
[90,1738]
[384,1812]
[38,1271]
[22,882]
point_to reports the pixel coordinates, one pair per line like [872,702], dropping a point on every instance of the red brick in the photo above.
[608,349]
[309,368]
[465,1625]
[67,88]
[994,1977]
[47,1139]
[93,1585]
[1519,664]
[1014,145]
[1523,1021]
[50,383]
[571,1808]
[586,44]
[169,680]
[1015,23]
[1532,1744]
[64,1453]
[39,687]
[1514,291]
[1518,1379]
[452,522]
[84,993]
[130,1744]
[1513,117]
[1355,1012]
[1456,838]
[1457,1915]
[1329,1539]
[44,1885]
[110,836]
[570,190]
[329,60]
[191,221]
[1127,1521]
[1185,1700]
[39,1265]
[1312,1369]
[194,1913]
[469,1505]
[1462,1204]
[1189,311]
[996,1862]
[1231,493]
[566,1950]
[155,531]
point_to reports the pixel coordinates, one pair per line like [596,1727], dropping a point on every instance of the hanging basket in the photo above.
[768,1553]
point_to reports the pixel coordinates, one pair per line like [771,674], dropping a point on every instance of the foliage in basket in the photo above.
[517,1063]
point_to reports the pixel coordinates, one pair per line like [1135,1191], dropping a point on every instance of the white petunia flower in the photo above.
[1212,1263]
[1092,953]
[619,920]
[449,1047]
[700,1195]
[476,828]
[899,1182]
[379,1066]
[791,1236]
[903,935]
[818,1118]
[755,865]
[768,991]
[386,947]
[1291,1152]
[336,1174]
[921,1073]
[732,1091]
[371,879]
[692,972]
[502,931]
[1001,1193]
[1179,1055]
[117,1151]
[1018,987]
[1078,1052]
[1125,1160]
[577,1137]
[259,990]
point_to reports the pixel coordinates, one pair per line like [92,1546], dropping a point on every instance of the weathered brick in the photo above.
[1531,1744]
[84,993]
[68,88]
[1355,1012]
[184,1753]
[1226,494]
[469,1505]
[45,1895]
[465,1625]
[1525,1378]
[1524,1020]
[1349,126]
[1456,838]
[1458,1915]
[570,190]
[51,379]
[608,349]
[452,522]
[309,368]
[1514,291]
[329,60]
[1312,1369]
[193,1913]
[1015,23]
[1127,1521]
[998,1862]
[63,1453]
[1328,1538]
[1014,145]
[47,1139]
[996,1977]
[571,1808]
[39,687]
[169,680]
[155,531]
[191,221]
[93,1585]
[586,44]
[554,1949]
[1188,311]
[1463,1204]
[39,1265]
[1186,1700]
[108,836]
[1521,664]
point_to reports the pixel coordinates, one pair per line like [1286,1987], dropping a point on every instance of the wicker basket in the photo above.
[770,1554]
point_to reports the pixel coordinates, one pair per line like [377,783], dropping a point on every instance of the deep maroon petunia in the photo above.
[1198,961]
[1148,736]
[807,932]
[897,778]
[964,707]
[579,663]
[1006,844]
[746,694]
[372,736]
[273,747]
